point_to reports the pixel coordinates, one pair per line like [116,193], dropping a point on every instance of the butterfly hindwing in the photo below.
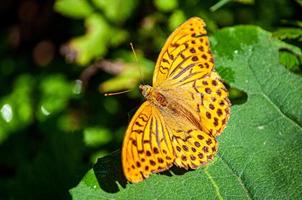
[193,148]
[215,105]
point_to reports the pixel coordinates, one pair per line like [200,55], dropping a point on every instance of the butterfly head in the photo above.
[145,90]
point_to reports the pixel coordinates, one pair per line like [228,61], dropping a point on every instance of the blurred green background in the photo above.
[57,58]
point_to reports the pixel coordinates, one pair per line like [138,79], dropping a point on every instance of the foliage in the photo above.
[55,124]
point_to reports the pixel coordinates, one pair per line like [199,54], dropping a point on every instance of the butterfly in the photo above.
[184,112]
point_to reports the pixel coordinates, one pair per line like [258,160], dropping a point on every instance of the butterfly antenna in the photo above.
[122,92]
[139,67]
[132,48]
[115,93]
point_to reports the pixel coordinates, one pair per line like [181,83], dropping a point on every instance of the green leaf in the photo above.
[166,5]
[55,93]
[262,143]
[16,109]
[219,4]
[112,9]
[176,19]
[260,150]
[75,9]
[94,44]
[289,33]
[94,136]
[130,75]
[289,60]
[226,73]
[289,47]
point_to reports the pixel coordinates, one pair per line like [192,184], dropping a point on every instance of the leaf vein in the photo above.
[248,193]
[213,183]
[262,93]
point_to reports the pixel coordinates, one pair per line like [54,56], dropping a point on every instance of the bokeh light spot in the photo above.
[7,113]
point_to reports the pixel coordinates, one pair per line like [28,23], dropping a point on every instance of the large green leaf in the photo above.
[260,150]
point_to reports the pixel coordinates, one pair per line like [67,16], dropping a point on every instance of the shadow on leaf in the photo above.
[175,171]
[108,171]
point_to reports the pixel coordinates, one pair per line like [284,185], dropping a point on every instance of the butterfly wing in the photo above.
[185,67]
[152,145]
[147,146]
[193,148]
[185,56]
[208,98]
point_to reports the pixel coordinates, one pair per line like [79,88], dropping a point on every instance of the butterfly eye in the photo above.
[145,90]
[141,88]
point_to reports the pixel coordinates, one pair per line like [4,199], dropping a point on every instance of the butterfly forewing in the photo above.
[185,56]
[147,146]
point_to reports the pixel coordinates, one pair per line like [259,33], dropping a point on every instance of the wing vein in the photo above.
[184,70]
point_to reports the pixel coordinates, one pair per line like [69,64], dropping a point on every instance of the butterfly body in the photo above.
[185,109]
[153,95]
[172,109]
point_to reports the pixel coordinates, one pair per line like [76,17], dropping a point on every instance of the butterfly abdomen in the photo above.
[180,111]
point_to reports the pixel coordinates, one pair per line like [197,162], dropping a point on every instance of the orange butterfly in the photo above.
[186,108]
